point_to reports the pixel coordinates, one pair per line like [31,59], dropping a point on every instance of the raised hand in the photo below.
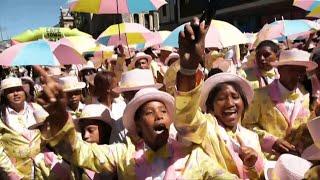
[191,44]
[192,53]
[247,154]
[54,100]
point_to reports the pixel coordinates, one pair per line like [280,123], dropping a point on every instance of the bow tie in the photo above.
[292,96]
[163,152]
[269,74]
[76,113]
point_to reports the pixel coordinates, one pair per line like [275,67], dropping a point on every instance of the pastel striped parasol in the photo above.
[115,6]
[220,35]
[40,52]
[128,33]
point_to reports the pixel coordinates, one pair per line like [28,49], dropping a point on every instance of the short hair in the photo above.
[267,43]
[214,71]
[214,92]
[88,56]
[103,80]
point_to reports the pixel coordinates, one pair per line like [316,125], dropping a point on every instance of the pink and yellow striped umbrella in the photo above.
[115,6]
[79,43]
[128,33]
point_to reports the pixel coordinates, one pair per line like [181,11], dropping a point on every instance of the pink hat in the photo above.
[173,55]
[136,79]
[95,111]
[138,56]
[288,167]
[295,57]
[211,82]
[141,97]
[313,151]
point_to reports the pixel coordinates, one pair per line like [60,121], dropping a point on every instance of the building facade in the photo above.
[247,15]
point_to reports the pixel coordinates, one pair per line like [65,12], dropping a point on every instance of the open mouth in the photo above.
[230,112]
[160,128]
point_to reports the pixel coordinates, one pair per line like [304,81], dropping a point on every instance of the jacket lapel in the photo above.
[275,96]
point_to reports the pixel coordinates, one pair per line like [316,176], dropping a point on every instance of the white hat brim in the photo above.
[268,169]
[133,62]
[211,82]
[310,65]
[10,87]
[100,118]
[78,86]
[135,103]
[125,89]
[311,153]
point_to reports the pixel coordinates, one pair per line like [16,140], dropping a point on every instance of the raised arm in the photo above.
[59,132]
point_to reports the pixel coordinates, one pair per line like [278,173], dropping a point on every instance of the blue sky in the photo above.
[17,16]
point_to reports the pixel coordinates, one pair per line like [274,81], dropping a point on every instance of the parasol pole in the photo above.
[119,30]
[284,29]
[118,22]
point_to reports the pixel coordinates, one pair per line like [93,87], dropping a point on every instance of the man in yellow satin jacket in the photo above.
[280,110]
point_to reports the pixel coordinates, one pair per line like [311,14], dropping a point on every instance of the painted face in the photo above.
[74,98]
[153,124]
[228,106]
[15,95]
[291,76]
[142,64]
[264,57]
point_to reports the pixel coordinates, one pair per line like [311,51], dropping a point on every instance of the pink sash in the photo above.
[275,96]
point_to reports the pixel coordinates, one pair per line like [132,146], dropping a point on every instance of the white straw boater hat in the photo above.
[172,55]
[71,83]
[87,66]
[141,97]
[287,167]
[313,152]
[138,56]
[295,57]
[10,82]
[211,82]
[53,71]
[96,112]
[136,79]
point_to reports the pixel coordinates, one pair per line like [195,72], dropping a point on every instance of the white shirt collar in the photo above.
[12,111]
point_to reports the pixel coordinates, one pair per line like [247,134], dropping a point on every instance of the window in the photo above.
[164,10]
[146,21]
[136,18]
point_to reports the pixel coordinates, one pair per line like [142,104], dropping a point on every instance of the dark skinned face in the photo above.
[264,57]
[153,124]
[228,107]
[290,75]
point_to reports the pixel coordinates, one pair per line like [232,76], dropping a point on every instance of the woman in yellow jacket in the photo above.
[231,146]
[148,115]
[21,145]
